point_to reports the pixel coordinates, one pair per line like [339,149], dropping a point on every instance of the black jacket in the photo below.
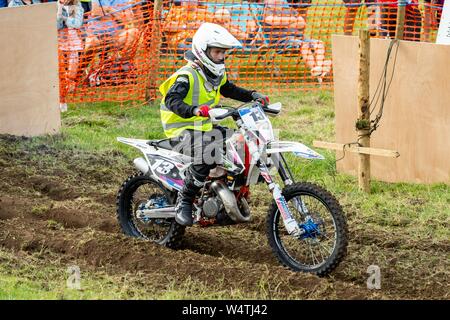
[178,91]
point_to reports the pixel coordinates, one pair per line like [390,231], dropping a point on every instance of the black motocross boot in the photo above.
[186,198]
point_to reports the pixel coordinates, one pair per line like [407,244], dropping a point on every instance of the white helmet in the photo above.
[212,35]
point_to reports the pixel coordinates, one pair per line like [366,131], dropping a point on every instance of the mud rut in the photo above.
[63,202]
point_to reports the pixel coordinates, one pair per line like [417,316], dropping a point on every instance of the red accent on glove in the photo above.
[264,100]
[203,111]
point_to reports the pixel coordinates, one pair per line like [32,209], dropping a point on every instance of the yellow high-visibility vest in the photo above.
[198,95]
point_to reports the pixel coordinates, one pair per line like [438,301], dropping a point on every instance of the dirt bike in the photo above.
[306,227]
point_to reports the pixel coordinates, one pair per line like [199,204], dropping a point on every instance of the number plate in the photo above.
[252,116]
[255,119]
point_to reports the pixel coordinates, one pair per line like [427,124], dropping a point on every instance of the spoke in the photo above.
[315,206]
[312,253]
[149,229]
[298,205]
[306,204]
[329,242]
[326,250]
[326,237]
[320,250]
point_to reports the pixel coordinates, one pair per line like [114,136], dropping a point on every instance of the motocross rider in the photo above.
[188,96]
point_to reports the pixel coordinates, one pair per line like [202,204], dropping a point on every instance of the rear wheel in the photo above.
[139,190]
[323,244]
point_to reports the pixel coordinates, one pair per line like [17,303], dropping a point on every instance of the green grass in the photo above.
[13,287]
[28,278]
[25,278]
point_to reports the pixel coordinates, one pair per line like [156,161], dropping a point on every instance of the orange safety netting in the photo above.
[111,57]
[124,52]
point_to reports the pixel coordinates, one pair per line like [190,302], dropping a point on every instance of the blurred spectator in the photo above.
[373,15]
[115,25]
[413,19]
[301,6]
[146,11]
[111,32]
[181,23]
[284,29]
[432,17]
[69,15]
[69,19]
[249,38]
[87,5]
[223,17]
[18,3]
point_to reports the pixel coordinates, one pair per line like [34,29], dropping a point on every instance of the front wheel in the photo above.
[139,190]
[323,243]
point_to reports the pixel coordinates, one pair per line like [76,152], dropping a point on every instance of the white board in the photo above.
[443,36]
[29,84]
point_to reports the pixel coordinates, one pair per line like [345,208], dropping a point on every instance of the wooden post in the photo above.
[154,49]
[400,19]
[363,123]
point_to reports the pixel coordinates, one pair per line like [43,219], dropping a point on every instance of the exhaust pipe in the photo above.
[141,165]
[229,202]
[160,213]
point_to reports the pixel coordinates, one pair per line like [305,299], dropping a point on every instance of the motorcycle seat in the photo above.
[163,144]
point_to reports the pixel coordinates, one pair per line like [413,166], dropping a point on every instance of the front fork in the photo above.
[288,179]
[290,223]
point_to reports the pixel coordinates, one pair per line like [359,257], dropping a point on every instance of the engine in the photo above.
[220,203]
[212,206]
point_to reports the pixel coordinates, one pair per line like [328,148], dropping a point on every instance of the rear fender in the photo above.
[136,143]
[164,165]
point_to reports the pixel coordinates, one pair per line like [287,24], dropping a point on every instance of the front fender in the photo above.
[297,148]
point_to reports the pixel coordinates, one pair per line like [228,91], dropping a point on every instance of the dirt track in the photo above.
[64,202]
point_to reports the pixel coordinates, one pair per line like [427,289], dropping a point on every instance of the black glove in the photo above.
[264,100]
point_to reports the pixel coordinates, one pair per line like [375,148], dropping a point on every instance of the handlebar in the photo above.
[231,112]
[234,111]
